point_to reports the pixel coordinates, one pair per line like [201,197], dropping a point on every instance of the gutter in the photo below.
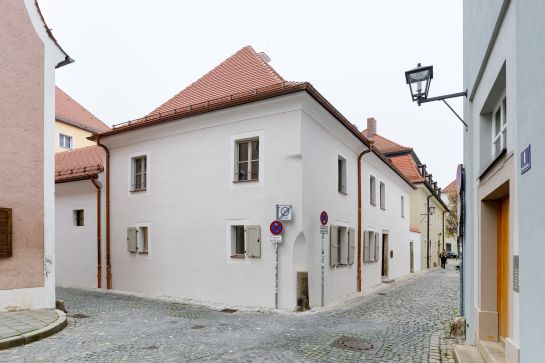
[108,260]
[359,277]
[99,234]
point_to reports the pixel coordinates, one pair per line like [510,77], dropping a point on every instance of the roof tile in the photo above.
[407,165]
[79,163]
[70,111]
[385,145]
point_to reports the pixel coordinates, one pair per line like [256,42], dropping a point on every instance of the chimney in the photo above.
[264,56]
[371,127]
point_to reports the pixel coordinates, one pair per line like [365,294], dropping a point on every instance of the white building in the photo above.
[194,186]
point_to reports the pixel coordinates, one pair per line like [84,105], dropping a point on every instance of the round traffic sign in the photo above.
[324,218]
[276,227]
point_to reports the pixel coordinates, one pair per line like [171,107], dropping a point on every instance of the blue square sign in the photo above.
[525,160]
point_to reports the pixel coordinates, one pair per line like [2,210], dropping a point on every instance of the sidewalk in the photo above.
[26,326]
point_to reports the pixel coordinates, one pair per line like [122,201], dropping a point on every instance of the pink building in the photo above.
[29,57]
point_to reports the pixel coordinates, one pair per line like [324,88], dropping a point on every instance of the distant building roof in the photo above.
[242,71]
[407,165]
[69,111]
[451,188]
[385,145]
[77,164]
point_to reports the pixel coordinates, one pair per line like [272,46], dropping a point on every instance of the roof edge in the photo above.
[67,60]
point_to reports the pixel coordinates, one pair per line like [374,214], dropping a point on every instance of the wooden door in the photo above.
[412,257]
[503,268]
[385,255]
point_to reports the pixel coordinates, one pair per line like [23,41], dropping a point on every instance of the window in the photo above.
[341,246]
[139,173]
[499,128]
[5,232]
[247,160]
[402,207]
[341,174]
[79,218]
[382,195]
[65,141]
[138,239]
[371,246]
[373,190]
[245,241]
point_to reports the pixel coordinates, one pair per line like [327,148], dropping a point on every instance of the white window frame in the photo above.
[499,136]
[372,190]
[382,195]
[250,161]
[234,253]
[230,246]
[75,217]
[232,147]
[62,141]
[342,187]
[140,253]
[130,164]
[402,206]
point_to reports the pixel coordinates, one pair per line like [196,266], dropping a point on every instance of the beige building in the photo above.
[73,123]
[427,209]
[27,205]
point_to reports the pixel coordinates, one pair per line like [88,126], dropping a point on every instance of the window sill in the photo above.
[492,162]
[245,181]
[138,190]
[382,208]
[373,204]
[238,256]
[143,253]
[344,194]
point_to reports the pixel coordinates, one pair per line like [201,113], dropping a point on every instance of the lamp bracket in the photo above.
[443,98]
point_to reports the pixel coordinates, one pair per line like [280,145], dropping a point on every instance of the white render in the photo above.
[416,238]
[191,202]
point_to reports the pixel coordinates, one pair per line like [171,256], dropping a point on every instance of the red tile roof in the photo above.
[407,165]
[78,164]
[243,71]
[384,145]
[415,229]
[69,111]
[451,188]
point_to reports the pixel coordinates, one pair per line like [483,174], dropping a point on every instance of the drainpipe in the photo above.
[108,261]
[99,234]
[445,211]
[428,230]
[359,212]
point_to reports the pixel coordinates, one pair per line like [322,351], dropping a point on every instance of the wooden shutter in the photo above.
[351,246]
[333,245]
[5,232]
[377,244]
[253,241]
[131,239]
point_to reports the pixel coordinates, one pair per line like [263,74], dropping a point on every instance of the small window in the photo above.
[65,141]
[499,128]
[342,246]
[371,246]
[245,241]
[139,173]
[247,160]
[143,241]
[373,190]
[5,232]
[79,218]
[382,195]
[341,175]
[402,207]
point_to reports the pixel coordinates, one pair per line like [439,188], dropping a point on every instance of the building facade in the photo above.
[504,285]
[27,205]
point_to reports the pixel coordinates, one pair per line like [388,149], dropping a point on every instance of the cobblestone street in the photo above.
[400,322]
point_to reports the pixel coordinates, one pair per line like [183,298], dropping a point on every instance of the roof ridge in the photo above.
[393,142]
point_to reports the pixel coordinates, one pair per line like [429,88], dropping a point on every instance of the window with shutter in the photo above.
[351,246]
[238,244]
[382,195]
[5,232]
[372,190]
[333,246]
[132,239]
[377,244]
[143,242]
[253,241]
[370,247]
[247,160]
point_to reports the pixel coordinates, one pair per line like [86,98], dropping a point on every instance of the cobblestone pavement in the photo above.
[405,322]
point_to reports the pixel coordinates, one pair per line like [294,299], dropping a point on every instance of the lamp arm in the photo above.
[459,118]
[443,98]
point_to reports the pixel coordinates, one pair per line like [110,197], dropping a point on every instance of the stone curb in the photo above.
[37,334]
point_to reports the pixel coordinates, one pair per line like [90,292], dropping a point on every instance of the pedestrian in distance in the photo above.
[443,259]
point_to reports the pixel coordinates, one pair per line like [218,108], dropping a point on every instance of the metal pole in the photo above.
[322,244]
[428,231]
[276,275]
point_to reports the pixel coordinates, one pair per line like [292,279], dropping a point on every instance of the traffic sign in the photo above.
[276,239]
[276,227]
[324,218]
[324,229]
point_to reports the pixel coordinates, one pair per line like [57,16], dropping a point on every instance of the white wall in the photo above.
[416,238]
[76,247]
[387,221]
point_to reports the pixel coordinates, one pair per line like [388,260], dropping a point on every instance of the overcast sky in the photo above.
[133,55]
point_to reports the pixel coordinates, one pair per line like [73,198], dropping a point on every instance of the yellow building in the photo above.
[428,211]
[73,123]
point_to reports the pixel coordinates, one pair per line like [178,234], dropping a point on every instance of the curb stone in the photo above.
[37,334]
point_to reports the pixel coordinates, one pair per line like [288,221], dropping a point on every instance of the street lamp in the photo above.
[419,80]
[431,210]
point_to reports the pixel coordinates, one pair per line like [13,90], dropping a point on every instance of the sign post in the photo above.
[276,229]
[323,231]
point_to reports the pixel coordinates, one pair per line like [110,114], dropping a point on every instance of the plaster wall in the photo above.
[415,238]
[79,136]
[27,278]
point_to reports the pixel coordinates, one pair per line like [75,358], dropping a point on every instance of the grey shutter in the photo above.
[351,246]
[333,245]
[131,239]
[377,243]
[253,241]
[5,232]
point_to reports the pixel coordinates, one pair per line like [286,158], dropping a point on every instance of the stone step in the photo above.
[467,354]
